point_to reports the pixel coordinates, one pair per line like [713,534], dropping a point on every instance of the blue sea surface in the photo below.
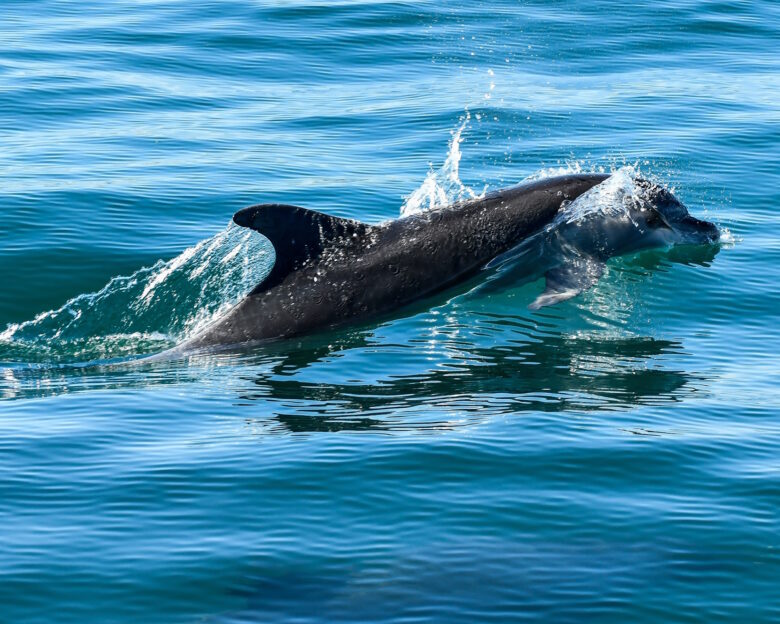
[613,458]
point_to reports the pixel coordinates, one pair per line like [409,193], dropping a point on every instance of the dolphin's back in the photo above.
[453,242]
[330,270]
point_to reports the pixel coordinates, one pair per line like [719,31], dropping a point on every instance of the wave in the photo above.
[152,309]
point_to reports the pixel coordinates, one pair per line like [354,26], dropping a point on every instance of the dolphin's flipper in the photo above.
[568,280]
[297,234]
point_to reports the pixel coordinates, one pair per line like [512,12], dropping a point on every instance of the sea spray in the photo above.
[151,309]
[442,186]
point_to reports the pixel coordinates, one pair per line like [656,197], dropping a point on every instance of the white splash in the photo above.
[608,199]
[442,186]
[150,309]
[727,237]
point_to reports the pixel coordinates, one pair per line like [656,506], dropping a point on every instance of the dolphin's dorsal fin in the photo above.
[297,234]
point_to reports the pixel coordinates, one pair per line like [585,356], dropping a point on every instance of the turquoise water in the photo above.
[611,458]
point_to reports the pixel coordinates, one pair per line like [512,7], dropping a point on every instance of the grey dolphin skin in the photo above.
[331,271]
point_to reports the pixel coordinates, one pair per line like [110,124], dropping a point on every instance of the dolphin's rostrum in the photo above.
[331,271]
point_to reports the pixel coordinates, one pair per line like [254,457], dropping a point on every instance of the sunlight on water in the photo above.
[151,309]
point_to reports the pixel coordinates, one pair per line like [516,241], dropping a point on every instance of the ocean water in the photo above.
[613,458]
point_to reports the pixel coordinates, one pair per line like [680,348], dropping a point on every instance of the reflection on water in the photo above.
[455,382]
[554,374]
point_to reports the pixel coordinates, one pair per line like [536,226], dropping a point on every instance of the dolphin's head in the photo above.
[666,217]
[628,215]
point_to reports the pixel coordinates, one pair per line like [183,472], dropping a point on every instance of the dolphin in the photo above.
[331,271]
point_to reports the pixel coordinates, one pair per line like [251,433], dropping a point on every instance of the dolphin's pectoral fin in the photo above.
[297,234]
[569,280]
